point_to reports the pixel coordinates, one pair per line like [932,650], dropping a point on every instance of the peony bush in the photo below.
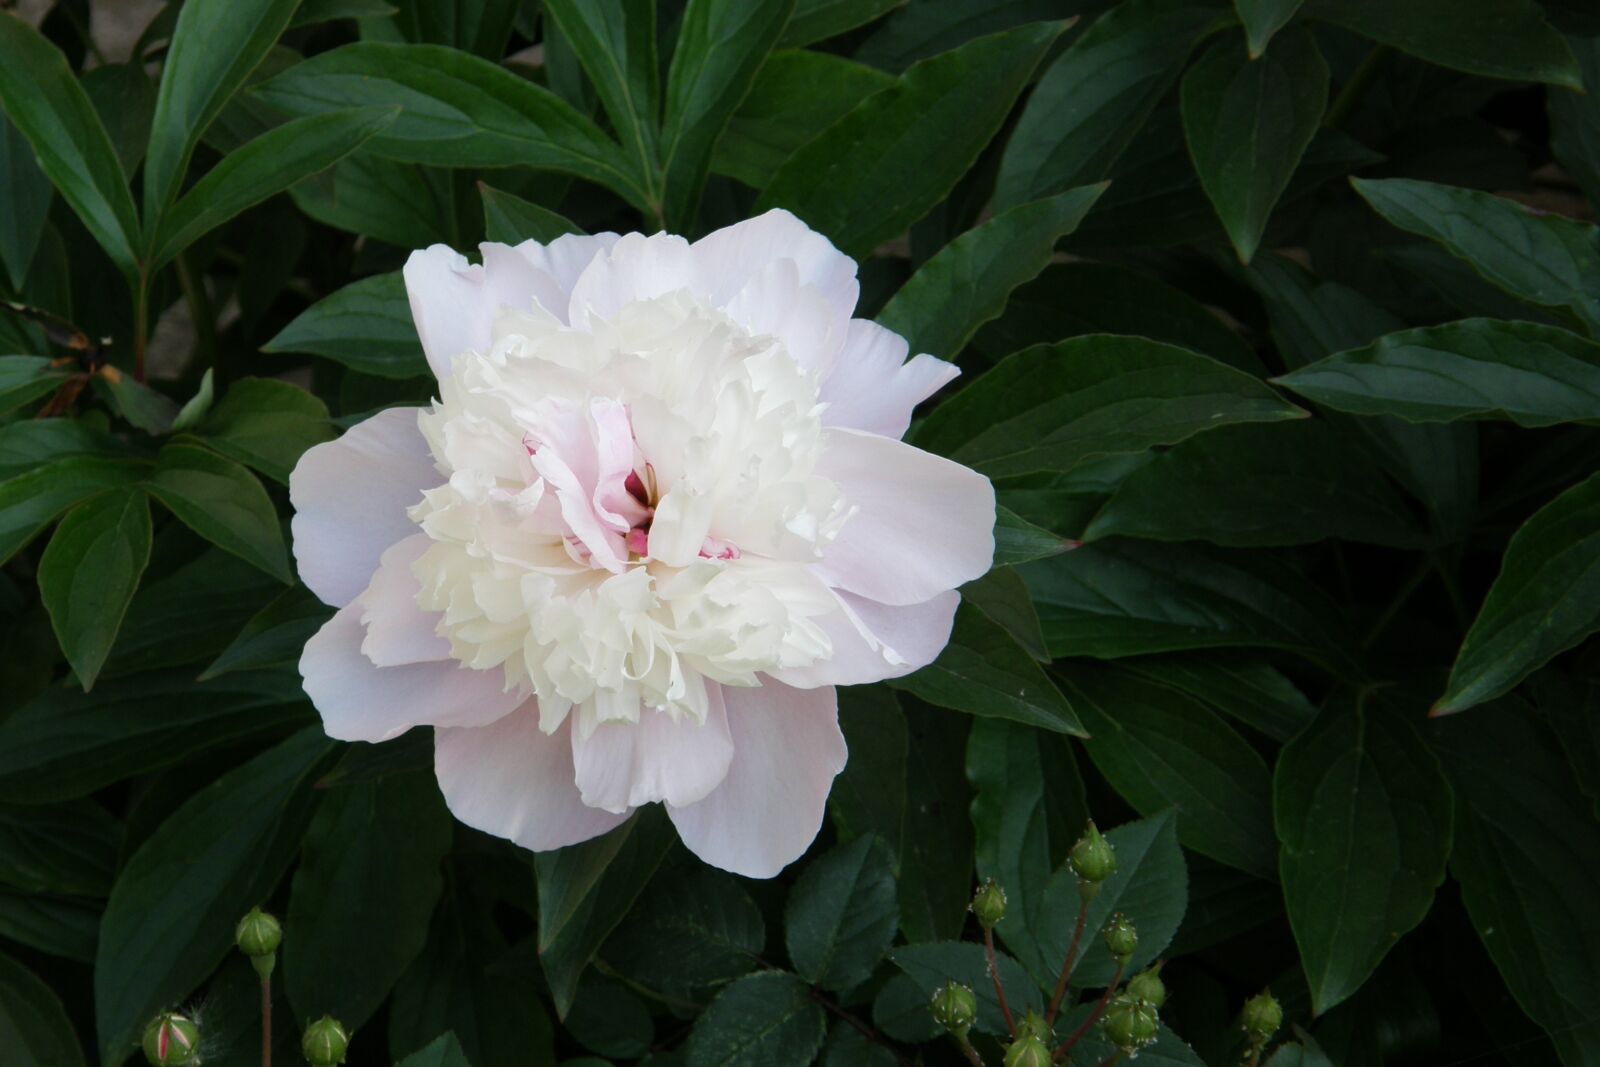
[728,533]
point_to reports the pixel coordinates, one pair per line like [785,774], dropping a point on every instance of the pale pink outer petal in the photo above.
[872,387]
[521,274]
[727,259]
[873,641]
[924,524]
[360,701]
[635,268]
[512,780]
[350,498]
[622,765]
[787,748]
[398,631]
[451,305]
[775,303]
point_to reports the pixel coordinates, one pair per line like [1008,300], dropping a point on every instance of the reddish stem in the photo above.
[1099,1007]
[266,1022]
[994,974]
[1066,966]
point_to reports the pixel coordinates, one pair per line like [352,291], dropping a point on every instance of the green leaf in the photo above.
[1250,486]
[365,326]
[367,883]
[968,281]
[266,424]
[1575,120]
[1002,595]
[762,1020]
[171,915]
[1302,1054]
[89,572]
[215,45]
[24,379]
[445,1051]
[1526,852]
[275,635]
[44,99]
[796,95]
[511,220]
[1011,830]
[567,876]
[842,914]
[934,963]
[721,45]
[1095,96]
[1052,406]
[66,743]
[1544,259]
[818,20]
[935,837]
[1161,748]
[1262,19]
[59,926]
[1072,299]
[29,502]
[984,671]
[1123,598]
[222,502]
[457,110]
[886,163]
[615,40]
[1150,887]
[481,28]
[1474,369]
[195,408]
[1545,600]
[125,97]
[1364,814]
[28,192]
[34,1027]
[696,928]
[264,167]
[566,954]
[869,795]
[400,204]
[28,443]
[62,848]
[1247,122]
[312,12]
[1495,38]
[1251,691]
[1016,540]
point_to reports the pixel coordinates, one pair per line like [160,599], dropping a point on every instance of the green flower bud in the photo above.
[325,1042]
[1121,938]
[1262,1016]
[258,936]
[989,905]
[1027,1052]
[1033,1025]
[1130,1024]
[955,1009]
[1148,987]
[171,1040]
[1093,860]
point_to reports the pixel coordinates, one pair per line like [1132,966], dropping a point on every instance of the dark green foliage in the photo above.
[1279,331]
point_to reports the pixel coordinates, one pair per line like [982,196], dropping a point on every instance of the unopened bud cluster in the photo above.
[171,1040]
[1121,938]
[325,1042]
[1027,1051]
[258,936]
[1130,1023]
[955,1008]
[989,904]
[1261,1018]
[1093,860]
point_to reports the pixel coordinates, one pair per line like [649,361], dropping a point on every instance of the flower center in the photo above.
[631,510]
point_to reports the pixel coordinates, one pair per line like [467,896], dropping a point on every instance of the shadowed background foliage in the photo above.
[1278,325]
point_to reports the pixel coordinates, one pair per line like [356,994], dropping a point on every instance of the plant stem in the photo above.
[266,1022]
[1066,966]
[867,1030]
[141,323]
[1356,87]
[994,975]
[1401,597]
[199,301]
[1100,1006]
[971,1053]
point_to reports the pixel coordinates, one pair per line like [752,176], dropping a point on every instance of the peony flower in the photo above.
[659,510]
